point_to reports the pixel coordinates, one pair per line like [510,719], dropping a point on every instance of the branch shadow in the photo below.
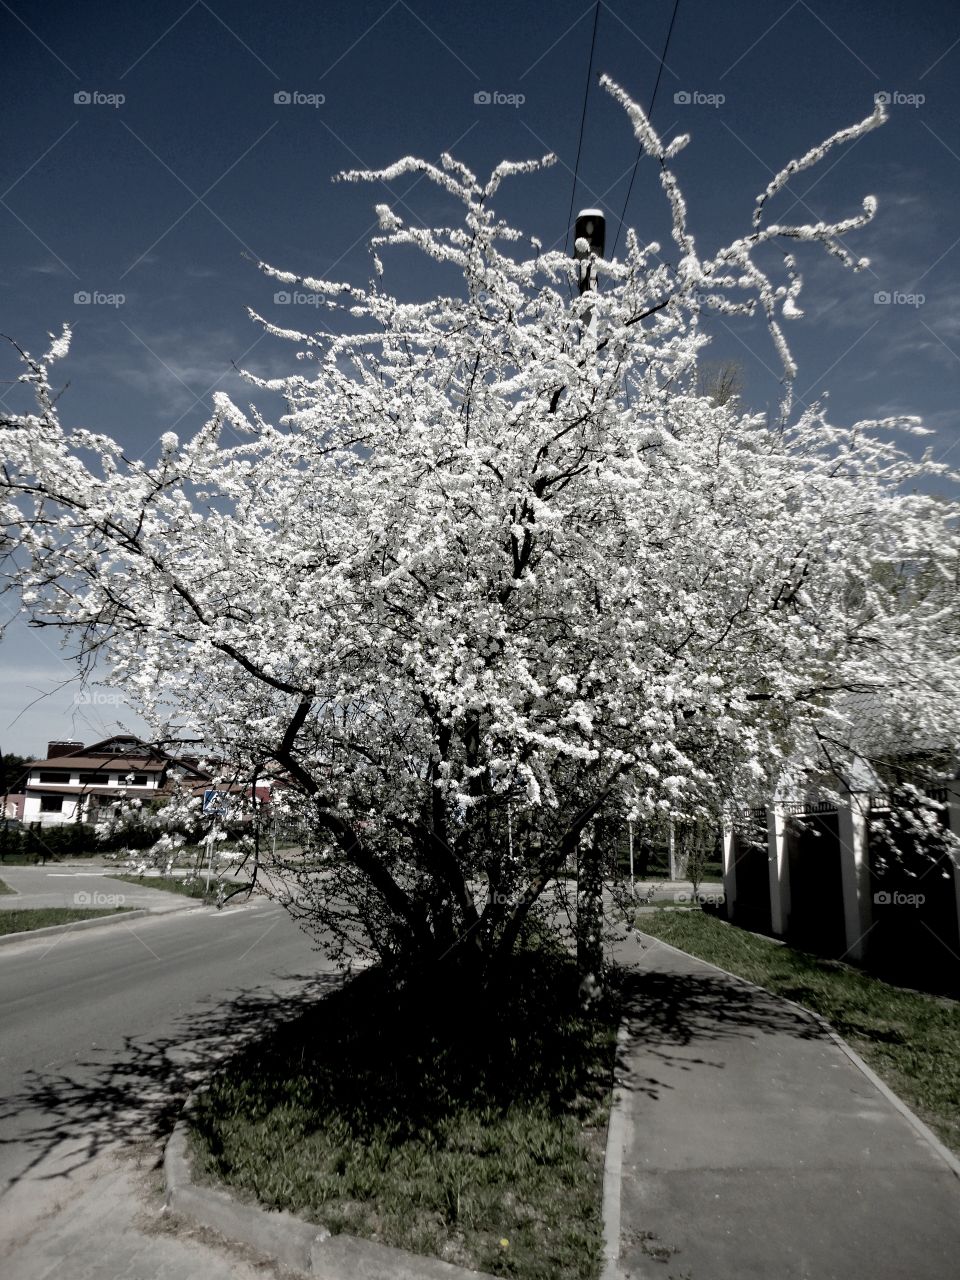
[668,1012]
[65,1120]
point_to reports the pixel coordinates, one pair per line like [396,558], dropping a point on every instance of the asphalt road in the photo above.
[103,1032]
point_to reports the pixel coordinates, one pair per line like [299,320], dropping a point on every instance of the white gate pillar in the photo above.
[778,868]
[855,872]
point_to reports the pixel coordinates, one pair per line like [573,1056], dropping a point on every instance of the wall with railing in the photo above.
[858,881]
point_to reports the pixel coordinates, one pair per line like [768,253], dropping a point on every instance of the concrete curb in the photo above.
[283,1237]
[26,934]
[922,1130]
[613,1164]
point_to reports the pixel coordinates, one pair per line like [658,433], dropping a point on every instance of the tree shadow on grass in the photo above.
[403,1057]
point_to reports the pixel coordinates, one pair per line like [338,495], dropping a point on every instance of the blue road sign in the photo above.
[214,801]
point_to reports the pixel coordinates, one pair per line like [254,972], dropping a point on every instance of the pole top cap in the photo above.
[591,225]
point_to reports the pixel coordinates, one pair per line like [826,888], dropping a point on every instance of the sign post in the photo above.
[215,804]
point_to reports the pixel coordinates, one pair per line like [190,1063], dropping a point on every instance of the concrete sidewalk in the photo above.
[107,1222]
[755,1149]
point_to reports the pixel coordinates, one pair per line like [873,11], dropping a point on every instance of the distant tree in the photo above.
[502,570]
[721,381]
[13,769]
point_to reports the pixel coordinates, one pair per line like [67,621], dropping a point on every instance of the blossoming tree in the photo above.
[501,577]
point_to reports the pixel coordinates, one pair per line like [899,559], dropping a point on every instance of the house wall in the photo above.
[32,811]
[115,778]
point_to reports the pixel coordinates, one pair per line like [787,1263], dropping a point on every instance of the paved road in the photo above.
[101,1034]
[65,885]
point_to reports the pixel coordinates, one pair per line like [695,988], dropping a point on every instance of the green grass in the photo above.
[456,1124]
[21,859]
[173,884]
[5,888]
[674,906]
[42,917]
[912,1041]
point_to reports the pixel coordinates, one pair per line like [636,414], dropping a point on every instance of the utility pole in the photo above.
[588,243]
[589,239]
[591,226]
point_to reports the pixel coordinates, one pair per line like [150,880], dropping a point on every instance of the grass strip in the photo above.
[465,1124]
[174,884]
[911,1040]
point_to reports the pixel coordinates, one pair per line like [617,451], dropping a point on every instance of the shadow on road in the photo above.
[136,1096]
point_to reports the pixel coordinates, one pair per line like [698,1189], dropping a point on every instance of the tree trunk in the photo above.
[589,929]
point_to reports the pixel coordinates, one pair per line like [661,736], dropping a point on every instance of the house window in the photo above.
[135,780]
[54,775]
[51,804]
[91,775]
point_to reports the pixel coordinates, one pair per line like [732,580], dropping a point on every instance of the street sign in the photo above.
[215,801]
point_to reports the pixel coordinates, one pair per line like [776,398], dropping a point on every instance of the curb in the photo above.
[613,1164]
[26,934]
[922,1130]
[283,1237]
[136,914]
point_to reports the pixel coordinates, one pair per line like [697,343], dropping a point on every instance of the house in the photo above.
[75,783]
[13,806]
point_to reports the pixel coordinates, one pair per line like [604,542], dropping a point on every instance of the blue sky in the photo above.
[168,197]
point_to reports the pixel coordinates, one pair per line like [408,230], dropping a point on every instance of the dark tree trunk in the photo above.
[589,931]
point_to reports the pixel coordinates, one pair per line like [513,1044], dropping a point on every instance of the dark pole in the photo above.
[588,244]
[591,227]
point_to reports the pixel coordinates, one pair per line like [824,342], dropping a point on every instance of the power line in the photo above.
[583,118]
[653,98]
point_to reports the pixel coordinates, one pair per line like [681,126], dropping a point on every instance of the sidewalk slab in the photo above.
[756,1148]
[111,1225]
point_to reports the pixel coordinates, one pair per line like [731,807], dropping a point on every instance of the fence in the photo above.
[859,881]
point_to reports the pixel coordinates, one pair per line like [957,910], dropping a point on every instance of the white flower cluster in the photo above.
[493,555]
